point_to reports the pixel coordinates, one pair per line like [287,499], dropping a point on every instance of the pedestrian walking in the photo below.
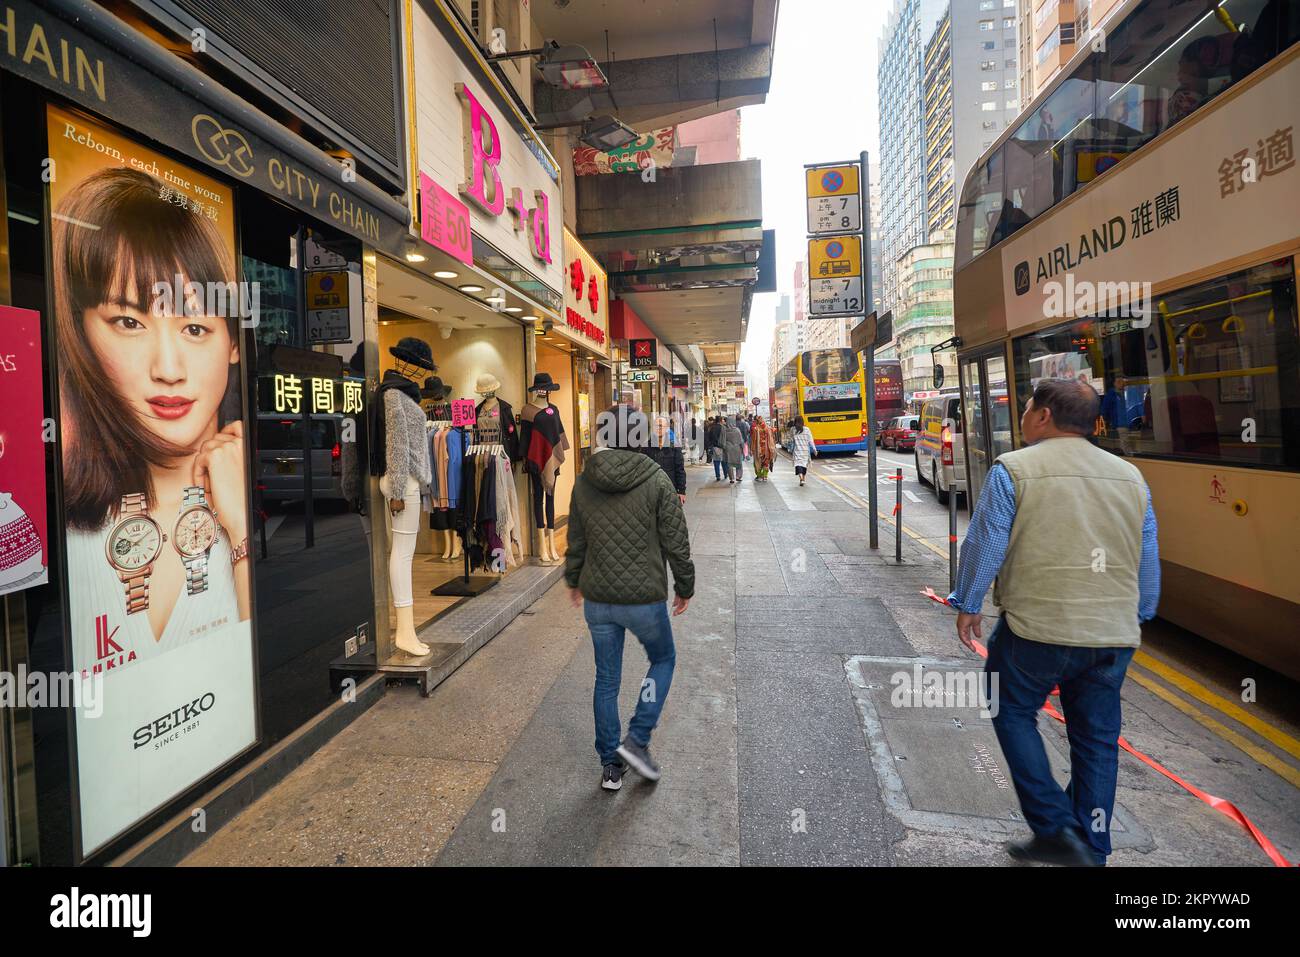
[802,448]
[764,449]
[732,443]
[668,455]
[625,524]
[713,444]
[743,426]
[1069,532]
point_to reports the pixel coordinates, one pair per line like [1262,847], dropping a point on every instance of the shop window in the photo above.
[1214,377]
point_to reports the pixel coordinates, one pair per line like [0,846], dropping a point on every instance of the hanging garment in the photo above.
[507,508]
[546,443]
[376,417]
[496,411]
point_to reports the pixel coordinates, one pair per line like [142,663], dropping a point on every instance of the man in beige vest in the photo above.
[1069,532]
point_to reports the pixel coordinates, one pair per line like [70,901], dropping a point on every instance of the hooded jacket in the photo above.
[625,524]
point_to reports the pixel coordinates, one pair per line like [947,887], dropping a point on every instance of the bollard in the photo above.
[898,518]
[952,536]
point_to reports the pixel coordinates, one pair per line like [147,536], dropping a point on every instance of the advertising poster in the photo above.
[147,321]
[24,558]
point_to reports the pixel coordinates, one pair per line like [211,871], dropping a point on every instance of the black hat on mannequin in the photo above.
[434,389]
[542,382]
[415,351]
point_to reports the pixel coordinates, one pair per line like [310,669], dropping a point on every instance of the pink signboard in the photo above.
[444,221]
[23,535]
[462,412]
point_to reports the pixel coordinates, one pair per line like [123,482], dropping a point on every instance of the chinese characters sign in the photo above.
[444,221]
[586,311]
[293,394]
[463,414]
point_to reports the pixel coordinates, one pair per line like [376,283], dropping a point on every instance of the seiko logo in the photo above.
[173,720]
[1022,277]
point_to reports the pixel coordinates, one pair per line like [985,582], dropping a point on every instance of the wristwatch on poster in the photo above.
[196,531]
[132,546]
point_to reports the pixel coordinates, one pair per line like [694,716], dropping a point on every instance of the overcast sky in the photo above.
[821,108]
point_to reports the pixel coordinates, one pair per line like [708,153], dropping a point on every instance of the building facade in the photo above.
[924,315]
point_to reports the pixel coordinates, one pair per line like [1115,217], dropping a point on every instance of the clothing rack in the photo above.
[484,441]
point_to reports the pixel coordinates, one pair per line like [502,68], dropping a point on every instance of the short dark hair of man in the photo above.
[1074,404]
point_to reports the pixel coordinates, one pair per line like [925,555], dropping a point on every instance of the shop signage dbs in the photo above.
[483,186]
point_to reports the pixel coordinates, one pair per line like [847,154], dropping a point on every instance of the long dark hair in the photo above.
[112,234]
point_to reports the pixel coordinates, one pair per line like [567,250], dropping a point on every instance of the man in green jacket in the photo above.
[625,523]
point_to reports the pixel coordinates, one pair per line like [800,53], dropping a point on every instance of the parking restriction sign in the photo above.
[834,275]
[834,203]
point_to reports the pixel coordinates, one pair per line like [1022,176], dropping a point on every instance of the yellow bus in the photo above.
[1137,227]
[825,387]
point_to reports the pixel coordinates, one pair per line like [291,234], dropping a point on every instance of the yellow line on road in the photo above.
[1175,677]
[1198,691]
[1266,758]
[888,518]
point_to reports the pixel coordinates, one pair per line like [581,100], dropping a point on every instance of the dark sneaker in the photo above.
[611,776]
[1067,849]
[638,759]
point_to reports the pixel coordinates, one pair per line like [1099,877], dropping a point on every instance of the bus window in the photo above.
[830,365]
[980,209]
[1215,376]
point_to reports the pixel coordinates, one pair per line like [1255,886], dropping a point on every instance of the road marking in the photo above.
[1266,758]
[915,536]
[912,496]
[1203,694]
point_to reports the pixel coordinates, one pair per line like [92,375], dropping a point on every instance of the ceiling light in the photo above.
[445,274]
[530,318]
[412,250]
[513,309]
[470,287]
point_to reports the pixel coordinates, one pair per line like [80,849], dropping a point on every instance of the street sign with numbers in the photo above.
[834,275]
[834,204]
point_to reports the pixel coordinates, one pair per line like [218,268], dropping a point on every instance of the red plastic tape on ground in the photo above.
[1226,808]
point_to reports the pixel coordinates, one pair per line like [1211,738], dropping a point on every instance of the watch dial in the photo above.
[135,543]
[195,532]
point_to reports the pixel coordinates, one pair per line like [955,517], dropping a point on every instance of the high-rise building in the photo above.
[873,201]
[924,314]
[780,336]
[1050,34]
[971,93]
[899,76]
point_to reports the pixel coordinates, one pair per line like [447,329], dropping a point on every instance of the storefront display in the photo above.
[154,469]
[544,442]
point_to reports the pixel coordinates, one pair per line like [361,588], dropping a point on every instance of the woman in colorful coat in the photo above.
[760,442]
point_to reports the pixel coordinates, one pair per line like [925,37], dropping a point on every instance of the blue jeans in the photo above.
[1089,679]
[608,624]
[717,468]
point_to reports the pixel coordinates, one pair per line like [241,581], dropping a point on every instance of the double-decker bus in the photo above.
[827,389]
[889,392]
[1137,227]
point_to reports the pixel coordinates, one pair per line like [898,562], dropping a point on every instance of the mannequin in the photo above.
[403,459]
[445,542]
[543,444]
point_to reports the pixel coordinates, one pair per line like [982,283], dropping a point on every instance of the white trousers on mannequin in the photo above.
[405,526]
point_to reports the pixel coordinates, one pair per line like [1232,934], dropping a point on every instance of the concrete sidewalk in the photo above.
[778,741]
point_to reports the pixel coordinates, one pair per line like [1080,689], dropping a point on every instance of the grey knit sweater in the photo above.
[406,443]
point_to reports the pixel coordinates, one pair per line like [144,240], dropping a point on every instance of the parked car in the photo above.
[899,433]
[940,446]
[279,457]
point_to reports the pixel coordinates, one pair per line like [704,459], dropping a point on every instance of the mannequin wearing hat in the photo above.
[400,456]
[543,444]
[445,541]
[496,410]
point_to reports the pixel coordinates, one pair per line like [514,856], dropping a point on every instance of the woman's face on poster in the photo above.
[171,370]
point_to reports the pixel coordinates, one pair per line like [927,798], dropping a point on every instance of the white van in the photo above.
[940,452]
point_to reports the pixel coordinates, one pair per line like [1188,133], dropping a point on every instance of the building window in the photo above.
[1009,84]
[990,124]
[1008,23]
[1067,32]
[1013,104]
[989,65]
[990,45]
[989,85]
[986,24]
[988,106]
[986,4]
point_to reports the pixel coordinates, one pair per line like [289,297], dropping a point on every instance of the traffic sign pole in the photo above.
[870,365]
